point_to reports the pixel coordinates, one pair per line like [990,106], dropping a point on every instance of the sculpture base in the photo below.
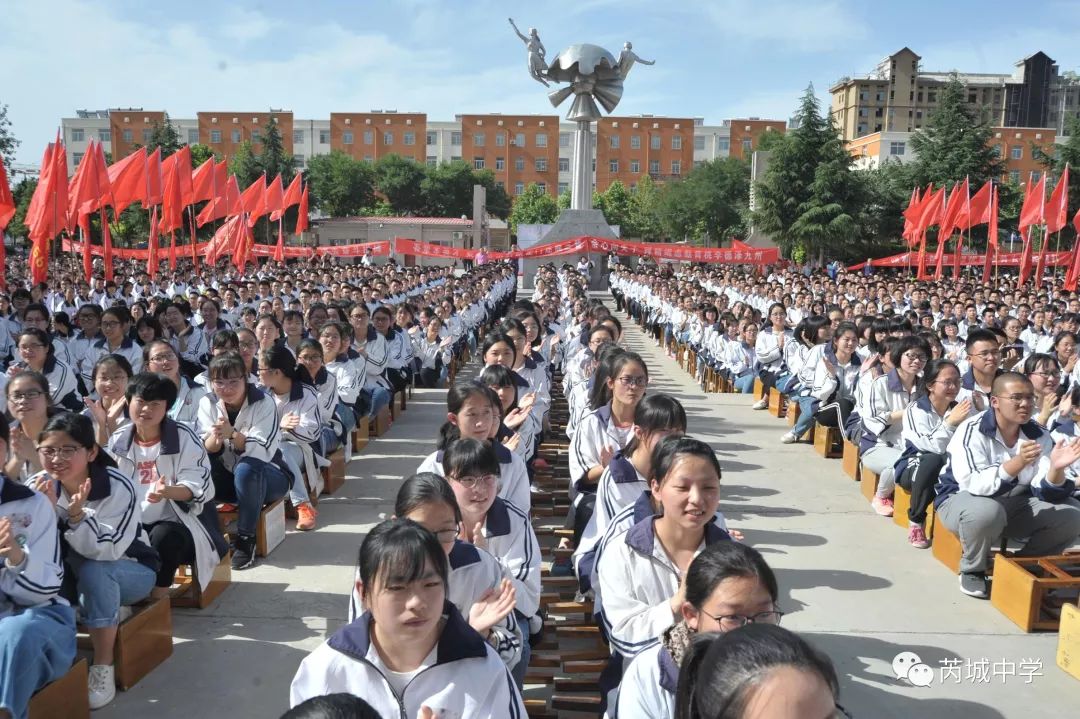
[571,224]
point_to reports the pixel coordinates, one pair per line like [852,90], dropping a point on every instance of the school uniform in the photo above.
[880,443]
[926,436]
[347,379]
[596,431]
[462,678]
[191,345]
[512,541]
[433,358]
[301,447]
[513,475]
[619,485]
[63,386]
[970,389]
[130,351]
[647,689]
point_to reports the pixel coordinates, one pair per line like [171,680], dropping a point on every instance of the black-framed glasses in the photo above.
[28,396]
[730,622]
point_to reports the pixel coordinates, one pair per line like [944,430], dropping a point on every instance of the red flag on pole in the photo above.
[106,239]
[292,197]
[7,201]
[302,222]
[910,214]
[956,203]
[991,234]
[172,199]
[87,259]
[1057,208]
[1034,201]
[1025,258]
[202,181]
[172,251]
[128,180]
[979,210]
[152,178]
[47,214]
[152,245]
[253,199]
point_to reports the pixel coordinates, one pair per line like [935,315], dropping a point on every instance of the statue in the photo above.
[537,61]
[628,57]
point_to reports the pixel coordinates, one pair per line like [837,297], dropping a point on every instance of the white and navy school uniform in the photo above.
[619,486]
[256,420]
[647,689]
[347,380]
[887,394]
[36,582]
[770,356]
[595,431]
[182,459]
[512,541]
[63,386]
[128,350]
[463,676]
[191,345]
[513,475]
[306,459]
[970,389]
[186,407]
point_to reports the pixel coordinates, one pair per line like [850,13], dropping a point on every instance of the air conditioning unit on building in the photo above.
[458,235]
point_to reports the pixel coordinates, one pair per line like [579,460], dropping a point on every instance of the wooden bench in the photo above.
[270,530]
[827,441]
[759,389]
[382,423]
[778,404]
[190,595]
[849,461]
[1021,583]
[361,434]
[793,412]
[334,475]
[65,698]
[868,482]
[946,546]
[1068,650]
[143,641]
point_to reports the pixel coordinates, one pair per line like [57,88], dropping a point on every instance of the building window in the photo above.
[864,112]
[676,167]
[297,161]
[880,96]
[1014,176]
[564,164]
[77,134]
[613,142]
[1035,176]
[256,136]
[388,138]
[324,137]
[500,163]
[635,142]
[699,142]
[478,163]
[236,137]
[519,163]
[1016,152]
[478,139]
[654,142]
[541,164]
[613,166]
[723,144]
[676,142]
[931,96]
[347,137]
[635,167]
[193,137]
[146,136]
[519,139]
[104,135]
[654,167]
[76,158]
[564,139]
[564,187]
[432,138]
[698,163]
[432,161]
[215,136]
[298,137]
[541,139]
[500,139]
[863,95]
[747,146]
[409,139]
[455,158]
[369,137]
[519,188]
[455,138]
[129,137]
[897,148]
[542,186]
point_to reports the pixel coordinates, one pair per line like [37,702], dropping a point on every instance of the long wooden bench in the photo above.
[270,530]
[143,641]
[65,698]
[189,594]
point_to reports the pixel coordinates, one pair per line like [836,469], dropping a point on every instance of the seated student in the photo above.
[300,423]
[172,482]
[929,424]
[367,350]
[594,372]
[411,647]
[728,586]
[104,545]
[333,340]
[1005,475]
[27,397]
[334,431]
[115,323]
[239,426]
[159,356]
[36,316]
[741,360]
[433,351]
[478,585]
[890,395]
[471,415]
[109,412]
[517,420]
[1050,397]
[496,525]
[37,627]
[188,340]
[829,397]
[37,354]
[580,367]
[535,377]
[769,347]
[984,363]
[760,670]
[639,572]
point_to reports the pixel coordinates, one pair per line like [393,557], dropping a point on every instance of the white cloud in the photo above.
[785,25]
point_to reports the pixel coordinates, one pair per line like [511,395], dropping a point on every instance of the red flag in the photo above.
[991,233]
[183,170]
[172,251]
[7,202]
[1042,258]
[1034,201]
[275,197]
[292,197]
[222,240]
[172,199]
[87,260]
[979,210]
[152,195]
[152,245]
[302,222]
[921,272]
[226,204]
[60,179]
[202,181]
[243,241]
[47,214]
[89,190]
[1057,208]
[939,257]
[910,214]
[1025,259]
[279,248]
[128,180]
[253,199]
[932,210]
[106,238]
[957,201]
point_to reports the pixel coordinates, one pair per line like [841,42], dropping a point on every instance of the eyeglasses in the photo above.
[33,346]
[446,536]
[468,481]
[1018,399]
[249,345]
[110,325]
[1046,375]
[730,622]
[230,383]
[163,359]
[988,354]
[634,381]
[27,396]
[914,357]
[309,358]
[64,453]
[946,383]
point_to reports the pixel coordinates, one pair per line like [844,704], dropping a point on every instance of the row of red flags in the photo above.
[165,187]
[959,210]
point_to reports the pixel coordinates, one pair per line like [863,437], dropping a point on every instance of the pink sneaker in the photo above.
[884,507]
[916,537]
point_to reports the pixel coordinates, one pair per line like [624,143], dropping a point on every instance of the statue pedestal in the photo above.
[571,224]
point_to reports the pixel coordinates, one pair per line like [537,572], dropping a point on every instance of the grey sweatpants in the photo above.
[880,459]
[980,521]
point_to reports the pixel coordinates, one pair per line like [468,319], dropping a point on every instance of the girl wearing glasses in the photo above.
[433,349]
[769,346]
[187,339]
[115,322]
[239,426]
[160,357]
[477,584]
[104,543]
[516,417]
[338,420]
[829,398]
[411,652]
[525,367]
[109,412]
[728,586]
[37,355]
[367,350]
[1051,399]
[399,353]
[27,396]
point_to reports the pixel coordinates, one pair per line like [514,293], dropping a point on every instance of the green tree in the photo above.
[245,165]
[448,190]
[709,205]
[273,160]
[564,200]
[887,192]
[398,179]
[645,210]
[533,207]
[340,185]
[21,195]
[200,154]
[164,135]
[955,143]
[1066,153]
[616,202]
[8,142]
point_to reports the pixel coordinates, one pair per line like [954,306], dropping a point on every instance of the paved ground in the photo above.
[849,583]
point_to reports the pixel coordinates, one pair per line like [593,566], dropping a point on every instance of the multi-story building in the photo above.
[368,136]
[899,96]
[224,132]
[519,149]
[745,135]
[629,147]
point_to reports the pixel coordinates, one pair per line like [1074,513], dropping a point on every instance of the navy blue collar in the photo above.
[456,641]
[519,380]
[463,554]
[296,392]
[125,344]
[505,455]
[923,403]
[893,382]
[13,491]
[643,506]
[371,333]
[968,380]
[320,376]
[100,483]
[604,415]
[988,425]
[497,521]
[170,438]
[622,470]
[669,670]
[642,536]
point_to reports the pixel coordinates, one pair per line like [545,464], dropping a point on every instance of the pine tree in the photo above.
[164,135]
[272,157]
[245,165]
[8,143]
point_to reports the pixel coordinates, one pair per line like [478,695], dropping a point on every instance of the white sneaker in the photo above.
[789,438]
[102,684]
[125,614]
[761,404]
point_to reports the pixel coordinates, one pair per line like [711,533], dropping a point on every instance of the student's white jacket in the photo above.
[595,431]
[647,689]
[770,355]
[130,351]
[429,352]
[182,461]
[257,421]
[191,344]
[186,407]
[977,452]
[842,383]
[637,581]
[740,358]
[513,475]
[467,679]
[62,382]
[620,485]
[347,378]
[512,541]
[36,581]
[887,394]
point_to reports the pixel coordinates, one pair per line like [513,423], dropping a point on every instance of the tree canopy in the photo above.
[533,207]
[8,142]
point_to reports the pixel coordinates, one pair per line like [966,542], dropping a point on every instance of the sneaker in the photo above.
[762,403]
[102,685]
[974,584]
[789,438]
[541,464]
[226,507]
[306,515]
[916,537]
[243,552]
[124,614]
[882,506]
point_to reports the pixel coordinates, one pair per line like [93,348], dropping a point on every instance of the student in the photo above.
[37,316]
[1004,474]
[172,482]
[517,418]
[741,361]
[641,572]
[769,347]
[27,397]
[268,331]
[760,670]
[188,340]
[349,380]
[104,545]
[434,354]
[728,586]
[984,363]
[410,648]
[890,395]
[478,585]
[109,412]
[159,356]
[335,431]
[37,354]
[829,397]
[115,323]
[239,427]
[369,354]
[37,627]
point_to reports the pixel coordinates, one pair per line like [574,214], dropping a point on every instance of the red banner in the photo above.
[1003,259]
[583,245]
[379,249]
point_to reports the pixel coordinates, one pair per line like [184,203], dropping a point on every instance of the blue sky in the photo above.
[720,59]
